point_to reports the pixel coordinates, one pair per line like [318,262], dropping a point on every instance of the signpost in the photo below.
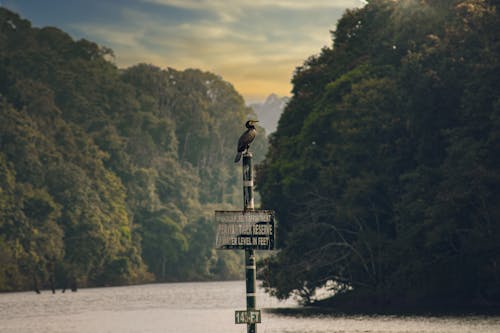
[249,230]
[245,230]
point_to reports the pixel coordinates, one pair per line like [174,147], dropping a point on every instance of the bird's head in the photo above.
[251,123]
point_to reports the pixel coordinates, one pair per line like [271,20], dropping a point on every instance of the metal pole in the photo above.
[247,182]
[250,268]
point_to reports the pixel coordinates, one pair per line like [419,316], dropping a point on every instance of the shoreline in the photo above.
[434,309]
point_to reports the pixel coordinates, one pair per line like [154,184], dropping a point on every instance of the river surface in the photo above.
[206,307]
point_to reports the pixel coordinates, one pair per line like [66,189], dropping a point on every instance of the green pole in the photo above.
[250,268]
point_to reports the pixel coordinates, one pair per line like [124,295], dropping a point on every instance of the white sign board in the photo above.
[253,229]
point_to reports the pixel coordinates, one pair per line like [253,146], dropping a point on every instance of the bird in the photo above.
[246,139]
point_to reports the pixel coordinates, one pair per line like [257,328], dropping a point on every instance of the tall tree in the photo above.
[107,174]
[382,170]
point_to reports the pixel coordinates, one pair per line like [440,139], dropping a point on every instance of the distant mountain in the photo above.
[269,112]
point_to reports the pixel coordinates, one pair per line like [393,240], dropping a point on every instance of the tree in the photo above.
[99,161]
[382,168]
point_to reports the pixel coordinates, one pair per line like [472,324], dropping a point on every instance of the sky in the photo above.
[253,44]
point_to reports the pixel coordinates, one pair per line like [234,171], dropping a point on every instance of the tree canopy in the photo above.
[108,175]
[385,169]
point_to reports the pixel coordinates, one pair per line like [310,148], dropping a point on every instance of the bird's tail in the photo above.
[238,157]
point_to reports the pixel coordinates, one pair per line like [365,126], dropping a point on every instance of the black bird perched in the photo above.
[246,139]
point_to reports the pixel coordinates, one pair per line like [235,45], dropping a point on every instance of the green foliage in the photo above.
[108,175]
[163,244]
[384,168]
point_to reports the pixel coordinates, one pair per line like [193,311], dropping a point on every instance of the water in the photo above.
[206,307]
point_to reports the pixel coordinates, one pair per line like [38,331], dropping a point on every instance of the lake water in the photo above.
[206,307]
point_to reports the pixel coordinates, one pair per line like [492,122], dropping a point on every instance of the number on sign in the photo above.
[247,317]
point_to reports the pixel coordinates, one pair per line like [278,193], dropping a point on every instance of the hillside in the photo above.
[108,175]
[384,171]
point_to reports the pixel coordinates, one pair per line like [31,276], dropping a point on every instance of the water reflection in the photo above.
[196,307]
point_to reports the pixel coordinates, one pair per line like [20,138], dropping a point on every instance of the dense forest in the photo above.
[107,175]
[385,167]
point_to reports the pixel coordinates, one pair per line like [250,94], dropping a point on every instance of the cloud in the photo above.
[230,11]
[290,4]
[254,44]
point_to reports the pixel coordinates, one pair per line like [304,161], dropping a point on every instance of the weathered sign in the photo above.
[253,229]
[247,317]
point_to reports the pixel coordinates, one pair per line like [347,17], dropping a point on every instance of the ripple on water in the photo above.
[195,308]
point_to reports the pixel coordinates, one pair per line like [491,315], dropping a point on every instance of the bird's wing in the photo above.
[245,139]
